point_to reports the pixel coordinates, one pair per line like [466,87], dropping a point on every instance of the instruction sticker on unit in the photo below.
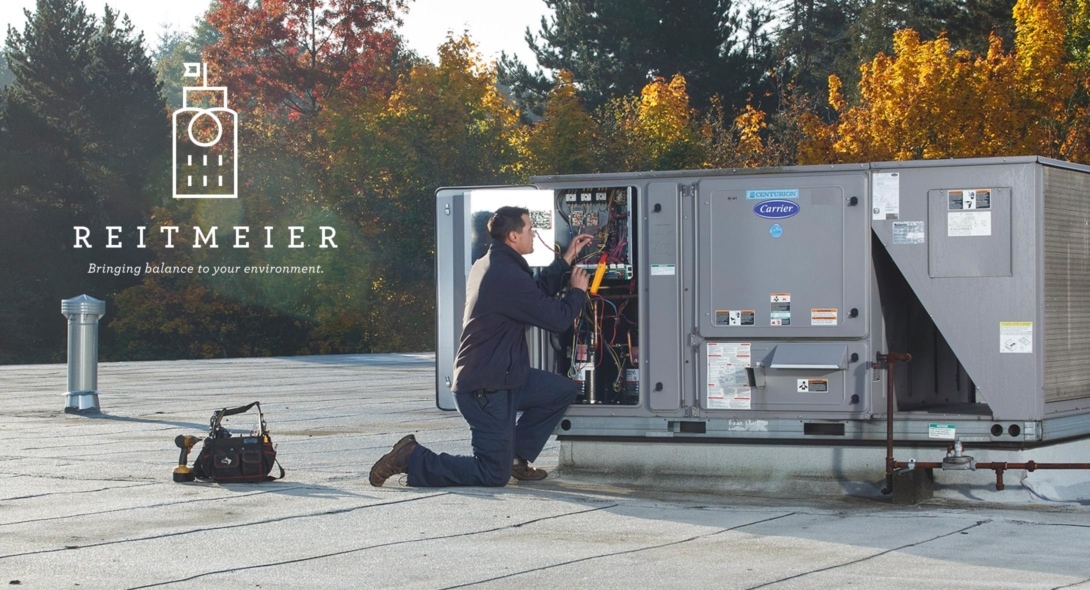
[886,192]
[812,385]
[942,431]
[780,309]
[734,317]
[823,317]
[1016,337]
[728,386]
[960,224]
[961,200]
[662,270]
[908,232]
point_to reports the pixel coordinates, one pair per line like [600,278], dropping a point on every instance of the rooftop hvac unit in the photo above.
[754,304]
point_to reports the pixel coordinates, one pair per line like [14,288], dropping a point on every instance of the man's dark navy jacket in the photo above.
[502,299]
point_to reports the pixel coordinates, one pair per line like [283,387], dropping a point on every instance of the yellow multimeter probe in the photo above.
[598,274]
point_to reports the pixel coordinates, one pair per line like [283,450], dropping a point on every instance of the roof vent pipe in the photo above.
[83,313]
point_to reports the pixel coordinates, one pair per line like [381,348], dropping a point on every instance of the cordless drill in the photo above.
[182,473]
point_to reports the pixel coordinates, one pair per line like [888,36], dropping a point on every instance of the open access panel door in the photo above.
[461,224]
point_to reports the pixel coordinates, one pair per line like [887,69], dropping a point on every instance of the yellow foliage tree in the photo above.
[454,105]
[930,101]
[443,124]
[563,141]
[749,125]
[1074,133]
[664,111]
[737,144]
[656,131]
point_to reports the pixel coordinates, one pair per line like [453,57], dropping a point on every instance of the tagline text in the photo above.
[161,268]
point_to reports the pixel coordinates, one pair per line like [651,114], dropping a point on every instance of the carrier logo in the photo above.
[776,209]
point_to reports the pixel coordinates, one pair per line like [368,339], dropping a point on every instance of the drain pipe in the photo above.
[889,359]
[955,459]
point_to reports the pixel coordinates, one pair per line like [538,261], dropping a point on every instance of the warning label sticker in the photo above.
[823,317]
[728,385]
[780,309]
[1016,337]
[970,199]
[734,317]
[812,385]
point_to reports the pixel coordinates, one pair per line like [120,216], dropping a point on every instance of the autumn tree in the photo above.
[444,124]
[658,130]
[563,141]
[1077,26]
[740,143]
[666,123]
[928,100]
[1075,126]
[292,55]
[284,63]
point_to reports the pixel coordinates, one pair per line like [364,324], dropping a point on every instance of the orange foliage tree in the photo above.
[928,100]
[295,54]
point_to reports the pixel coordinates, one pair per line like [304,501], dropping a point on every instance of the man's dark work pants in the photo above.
[496,436]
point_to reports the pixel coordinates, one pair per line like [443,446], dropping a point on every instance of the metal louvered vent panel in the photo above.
[1067,284]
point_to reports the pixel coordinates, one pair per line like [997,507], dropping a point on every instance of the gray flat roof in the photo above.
[88,502]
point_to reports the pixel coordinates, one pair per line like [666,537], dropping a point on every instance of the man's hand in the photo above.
[580,279]
[577,244]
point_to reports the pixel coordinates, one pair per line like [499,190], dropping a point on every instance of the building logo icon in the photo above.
[205,163]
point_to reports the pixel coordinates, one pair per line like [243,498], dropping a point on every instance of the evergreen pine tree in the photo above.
[84,139]
[614,47]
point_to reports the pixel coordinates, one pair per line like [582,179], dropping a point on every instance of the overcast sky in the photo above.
[494,24]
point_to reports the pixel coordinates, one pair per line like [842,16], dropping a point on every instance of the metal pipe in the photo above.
[83,314]
[998,466]
[889,359]
[892,464]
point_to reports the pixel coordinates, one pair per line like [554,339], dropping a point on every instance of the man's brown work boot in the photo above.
[394,462]
[523,471]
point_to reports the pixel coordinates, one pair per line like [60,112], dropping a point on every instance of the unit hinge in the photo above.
[695,339]
[687,190]
[693,412]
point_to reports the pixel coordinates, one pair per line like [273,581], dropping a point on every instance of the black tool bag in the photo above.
[236,459]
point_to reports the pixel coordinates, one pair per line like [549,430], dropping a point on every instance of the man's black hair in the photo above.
[506,220]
